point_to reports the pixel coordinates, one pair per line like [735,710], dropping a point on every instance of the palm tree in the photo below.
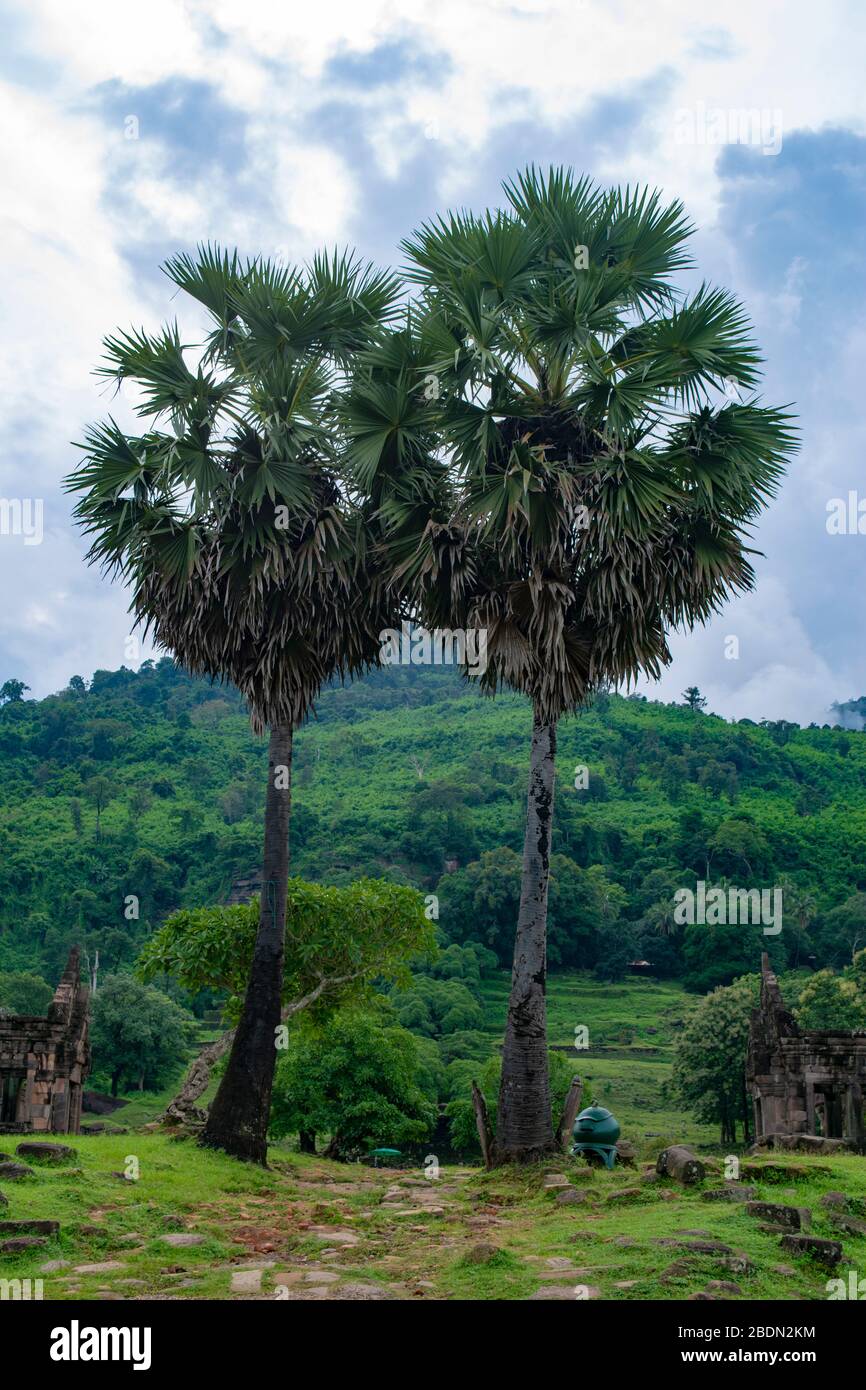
[245,554]
[602,483]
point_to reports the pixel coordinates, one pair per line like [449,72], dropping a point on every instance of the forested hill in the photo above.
[150,786]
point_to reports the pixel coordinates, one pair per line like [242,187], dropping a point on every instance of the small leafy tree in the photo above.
[710,1056]
[11,691]
[694,699]
[358,1078]
[24,992]
[138,1034]
[99,791]
[338,940]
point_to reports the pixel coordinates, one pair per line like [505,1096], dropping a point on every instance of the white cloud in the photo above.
[78,199]
[777,673]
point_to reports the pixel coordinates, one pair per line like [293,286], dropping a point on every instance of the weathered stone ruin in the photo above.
[44,1061]
[806,1085]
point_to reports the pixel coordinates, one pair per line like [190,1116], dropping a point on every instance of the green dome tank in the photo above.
[595,1125]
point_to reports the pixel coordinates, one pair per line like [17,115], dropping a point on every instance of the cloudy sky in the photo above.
[132,131]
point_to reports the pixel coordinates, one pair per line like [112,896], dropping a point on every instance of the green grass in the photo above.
[245,1213]
[628,1067]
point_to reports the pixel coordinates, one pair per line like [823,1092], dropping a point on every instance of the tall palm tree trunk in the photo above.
[524,1131]
[238,1118]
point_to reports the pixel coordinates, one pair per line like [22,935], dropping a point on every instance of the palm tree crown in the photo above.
[227,515]
[599,430]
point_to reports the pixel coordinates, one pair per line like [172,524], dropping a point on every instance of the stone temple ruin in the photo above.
[806,1085]
[44,1061]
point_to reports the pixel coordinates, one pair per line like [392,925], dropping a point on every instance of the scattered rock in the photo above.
[810,1143]
[364,1293]
[571,1196]
[320,1276]
[825,1252]
[578,1294]
[625,1194]
[29,1228]
[47,1153]
[481,1254]
[105,1267]
[724,1286]
[14,1172]
[181,1239]
[554,1181]
[787,1271]
[246,1281]
[18,1244]
[52,1266]
[849,1225]
[731,1192]
[335,1234]
[790,1218]
[835,1199]
[680,1163]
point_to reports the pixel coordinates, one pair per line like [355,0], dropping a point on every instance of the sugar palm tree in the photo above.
[602,477]
[244,553]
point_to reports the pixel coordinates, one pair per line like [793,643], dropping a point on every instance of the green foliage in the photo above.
[483,900]
[23,992]
[710,1057]
[833,1001]
[717,954]
[137,1033]
[437,1007]
[806,809]
[12,690]
[359,1078]
[338,940]
[842,930]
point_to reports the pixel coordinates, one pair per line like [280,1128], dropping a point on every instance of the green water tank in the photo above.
[595,1125]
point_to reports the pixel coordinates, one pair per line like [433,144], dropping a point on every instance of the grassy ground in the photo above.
[632,1026]
[307,1228]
